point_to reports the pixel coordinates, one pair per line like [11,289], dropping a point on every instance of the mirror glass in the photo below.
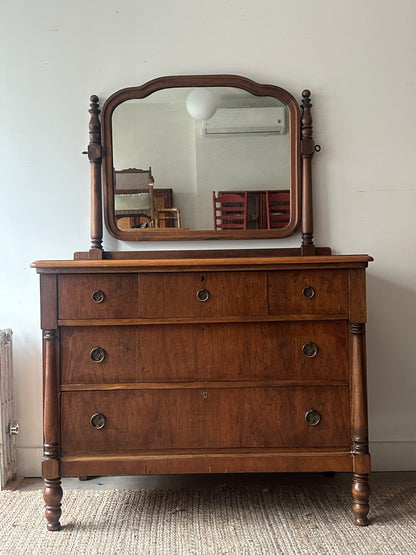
[243,146]
[215,158]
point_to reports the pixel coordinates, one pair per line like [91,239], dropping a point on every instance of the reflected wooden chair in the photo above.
[135,206]
[167,217]
[134,197]
[277,209]
[230,211]
[132,180]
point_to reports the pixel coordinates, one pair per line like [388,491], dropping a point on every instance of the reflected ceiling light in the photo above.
[201,104]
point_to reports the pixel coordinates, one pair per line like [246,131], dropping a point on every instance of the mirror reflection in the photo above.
[212,158]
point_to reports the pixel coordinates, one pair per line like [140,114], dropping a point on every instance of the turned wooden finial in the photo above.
[306,125]
[94,148]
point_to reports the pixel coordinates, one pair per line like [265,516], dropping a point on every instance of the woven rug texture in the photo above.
[220,520]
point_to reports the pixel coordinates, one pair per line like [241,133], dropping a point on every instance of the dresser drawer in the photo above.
[208,418]
[193,294]
[97,296]
[308,292]
[295,351]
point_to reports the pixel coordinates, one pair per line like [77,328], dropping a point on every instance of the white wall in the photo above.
[357,57]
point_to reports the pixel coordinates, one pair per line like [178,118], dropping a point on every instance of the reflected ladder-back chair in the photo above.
[277,208]
[230,211]
[140,205]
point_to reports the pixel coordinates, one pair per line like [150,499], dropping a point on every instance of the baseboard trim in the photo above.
[29,461]
[391,456]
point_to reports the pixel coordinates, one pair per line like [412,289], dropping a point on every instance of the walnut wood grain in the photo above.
[48,302]
[201,352]
[205,418]
[259,460]
[120,296]
[215,386]
[200,263]
[330,292]
[229,293]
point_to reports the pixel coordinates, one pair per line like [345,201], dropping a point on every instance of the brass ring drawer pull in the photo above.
[312,417]
[202,295]
[310,349]
[98,296]
[98,421]
[97,354]
[308,292]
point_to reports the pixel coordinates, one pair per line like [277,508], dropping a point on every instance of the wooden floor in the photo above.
[197,480]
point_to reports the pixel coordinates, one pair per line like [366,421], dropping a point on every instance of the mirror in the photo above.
[201,157]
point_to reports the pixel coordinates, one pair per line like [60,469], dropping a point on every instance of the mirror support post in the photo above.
[307,151]
[95,158]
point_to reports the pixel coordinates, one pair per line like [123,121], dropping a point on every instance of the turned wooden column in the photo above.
[52,493]
[95,158]
[360,483]
[307,152]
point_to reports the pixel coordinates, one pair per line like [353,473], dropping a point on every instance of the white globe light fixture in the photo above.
[201,104]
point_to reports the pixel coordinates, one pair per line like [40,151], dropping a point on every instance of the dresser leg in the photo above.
[52,494]
[361,493]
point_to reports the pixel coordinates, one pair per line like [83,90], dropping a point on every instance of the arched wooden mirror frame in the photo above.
[302,148]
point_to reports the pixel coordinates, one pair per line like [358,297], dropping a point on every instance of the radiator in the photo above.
[8,427]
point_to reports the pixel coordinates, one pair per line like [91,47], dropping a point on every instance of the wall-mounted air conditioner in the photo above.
[230,121]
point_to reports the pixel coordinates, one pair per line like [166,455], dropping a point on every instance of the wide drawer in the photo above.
[193,352]
[308,292]
[226,417]
[97,296]
[193,294]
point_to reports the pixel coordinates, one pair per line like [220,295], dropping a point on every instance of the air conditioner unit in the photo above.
[230,121]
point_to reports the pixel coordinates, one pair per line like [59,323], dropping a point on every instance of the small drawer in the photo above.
[97,296]
[293,351]
[189,294]
[227,417]
[308,292]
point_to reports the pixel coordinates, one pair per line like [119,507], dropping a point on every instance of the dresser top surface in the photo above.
[190,264]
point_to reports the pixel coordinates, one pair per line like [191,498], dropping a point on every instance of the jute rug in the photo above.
[219,520]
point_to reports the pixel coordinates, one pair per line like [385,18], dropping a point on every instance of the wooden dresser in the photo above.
[204,365]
